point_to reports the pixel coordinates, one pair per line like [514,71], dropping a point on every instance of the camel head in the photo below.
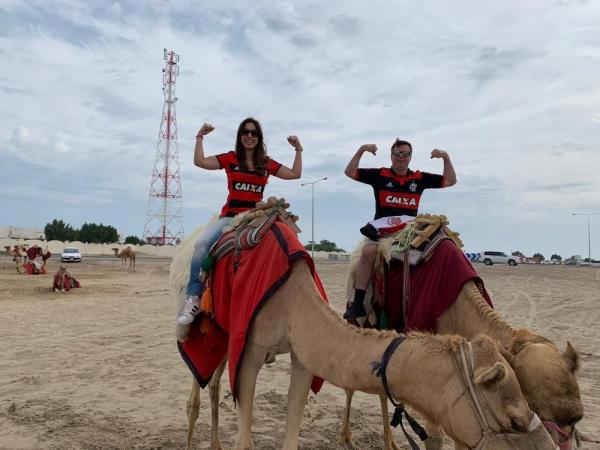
[510,422]
[548,380]
[116,250]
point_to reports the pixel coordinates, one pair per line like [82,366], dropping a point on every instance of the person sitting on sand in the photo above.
[63,280]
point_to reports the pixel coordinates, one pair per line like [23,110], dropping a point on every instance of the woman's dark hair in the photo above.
[400,142]
[259,157]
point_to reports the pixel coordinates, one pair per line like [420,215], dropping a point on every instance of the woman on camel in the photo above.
[248,169]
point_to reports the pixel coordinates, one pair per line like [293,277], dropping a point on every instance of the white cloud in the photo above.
[513,100]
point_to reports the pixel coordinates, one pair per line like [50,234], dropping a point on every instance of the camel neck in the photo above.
[343,354]
[470,315]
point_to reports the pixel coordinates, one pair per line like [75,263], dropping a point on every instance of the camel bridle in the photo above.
[465,367]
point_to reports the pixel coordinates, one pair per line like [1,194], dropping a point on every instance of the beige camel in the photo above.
[126,254]
[546,376]
[19,256]
[296,320]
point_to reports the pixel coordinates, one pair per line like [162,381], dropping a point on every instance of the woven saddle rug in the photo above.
[419,275]
[242,281]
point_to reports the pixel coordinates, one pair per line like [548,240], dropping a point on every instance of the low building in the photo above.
[22,233]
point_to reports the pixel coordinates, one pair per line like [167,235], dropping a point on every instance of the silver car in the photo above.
[70,254]
[489,258]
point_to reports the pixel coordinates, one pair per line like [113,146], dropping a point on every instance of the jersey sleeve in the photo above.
[225,159]
[273,166]
[432,181]
[367,176]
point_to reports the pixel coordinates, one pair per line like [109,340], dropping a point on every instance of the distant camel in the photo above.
[19,256]
[126,254]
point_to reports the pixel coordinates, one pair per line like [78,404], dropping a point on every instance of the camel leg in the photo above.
[254,358]
[193,406]
[214,388]
[298,393]
[345,433]
[388,438]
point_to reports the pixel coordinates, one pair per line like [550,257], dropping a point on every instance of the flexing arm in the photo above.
[352,167]
[210,162]
[285,173]
[449,173]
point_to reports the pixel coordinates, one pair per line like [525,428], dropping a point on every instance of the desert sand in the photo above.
[98,368]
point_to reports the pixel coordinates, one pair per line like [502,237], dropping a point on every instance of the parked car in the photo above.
[70,254]
[490,257]
[551,261]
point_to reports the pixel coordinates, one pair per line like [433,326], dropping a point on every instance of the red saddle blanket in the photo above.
[32,269]
[238,297]
[434,286]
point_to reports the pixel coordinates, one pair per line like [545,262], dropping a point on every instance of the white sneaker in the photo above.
[190,311]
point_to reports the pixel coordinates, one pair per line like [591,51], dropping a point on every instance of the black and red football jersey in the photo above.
[397,195]
[246,187]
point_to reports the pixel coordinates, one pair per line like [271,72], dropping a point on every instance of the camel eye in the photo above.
[517,427]
[574,420]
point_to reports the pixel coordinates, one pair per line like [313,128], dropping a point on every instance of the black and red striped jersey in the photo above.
[397,195]
[246,187]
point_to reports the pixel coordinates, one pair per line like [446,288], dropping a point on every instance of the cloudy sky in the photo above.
[509,88]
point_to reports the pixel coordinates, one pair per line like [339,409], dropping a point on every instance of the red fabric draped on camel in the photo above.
[238,296]
[434,286]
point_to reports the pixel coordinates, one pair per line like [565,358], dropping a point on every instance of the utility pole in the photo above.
[312,215]
[589,234]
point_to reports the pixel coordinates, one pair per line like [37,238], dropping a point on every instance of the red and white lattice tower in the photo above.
[164,223]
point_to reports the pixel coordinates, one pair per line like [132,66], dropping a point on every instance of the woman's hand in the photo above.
[295,142]
[205,129]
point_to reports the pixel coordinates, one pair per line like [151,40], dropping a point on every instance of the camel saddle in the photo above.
[239,295]
[414,280]
[418,240]
[249,228]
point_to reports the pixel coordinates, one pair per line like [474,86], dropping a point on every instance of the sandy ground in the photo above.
[98,368]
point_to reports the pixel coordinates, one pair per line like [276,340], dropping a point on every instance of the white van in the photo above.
[490,258]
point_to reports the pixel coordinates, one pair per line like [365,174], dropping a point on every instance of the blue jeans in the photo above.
[201,249]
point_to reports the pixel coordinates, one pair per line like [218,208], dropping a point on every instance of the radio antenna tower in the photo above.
[164,223]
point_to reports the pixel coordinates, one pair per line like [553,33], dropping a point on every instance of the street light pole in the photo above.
[312,215]
[589,234]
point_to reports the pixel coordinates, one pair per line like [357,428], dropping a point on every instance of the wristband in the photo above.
[199,136]
[298,149]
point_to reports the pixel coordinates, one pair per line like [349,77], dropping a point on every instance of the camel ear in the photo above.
[492,376]
[572,357]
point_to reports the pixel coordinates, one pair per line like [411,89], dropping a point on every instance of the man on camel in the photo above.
[397,192]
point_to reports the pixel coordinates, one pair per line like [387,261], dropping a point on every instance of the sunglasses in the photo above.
[402,154]
[247,132]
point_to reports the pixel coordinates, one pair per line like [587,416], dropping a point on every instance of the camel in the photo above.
[19,256]
[296,320]
[126,254]
[546,376]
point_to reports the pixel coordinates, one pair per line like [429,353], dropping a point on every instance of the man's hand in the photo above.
[437,153]
[205,129]
[371,148]
[295,142]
